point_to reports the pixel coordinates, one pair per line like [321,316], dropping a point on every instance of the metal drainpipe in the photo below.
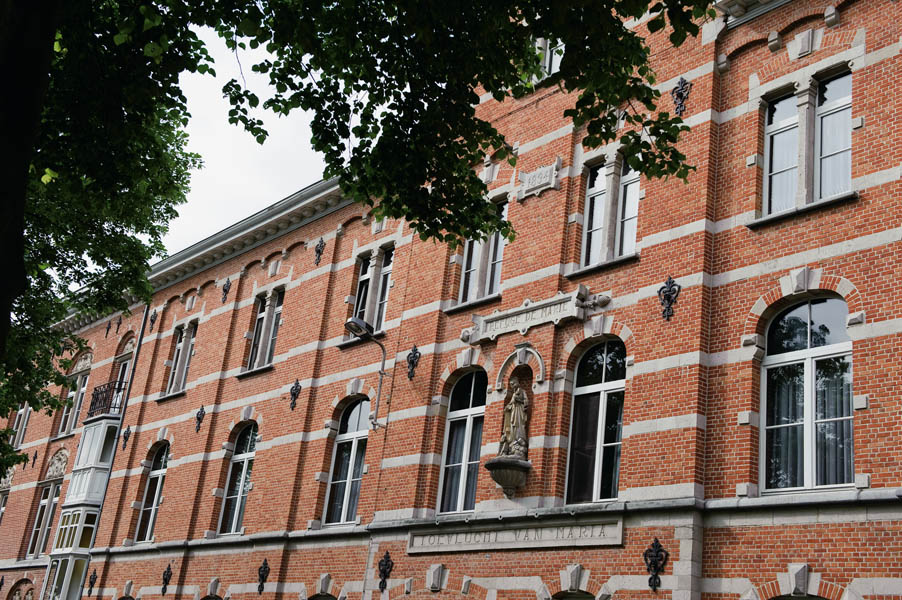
[128,391]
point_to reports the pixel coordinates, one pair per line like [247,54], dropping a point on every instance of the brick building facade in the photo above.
[750,428]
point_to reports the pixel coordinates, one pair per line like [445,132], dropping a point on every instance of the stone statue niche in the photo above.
[510,467]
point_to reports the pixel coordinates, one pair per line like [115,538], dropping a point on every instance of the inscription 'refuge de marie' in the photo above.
[595,534]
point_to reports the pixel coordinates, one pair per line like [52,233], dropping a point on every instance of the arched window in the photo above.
[152,494]
[463,442]
[594,458]
[239,480]
[347,463]
[806,397]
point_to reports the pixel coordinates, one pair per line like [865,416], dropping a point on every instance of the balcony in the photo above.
[107,399]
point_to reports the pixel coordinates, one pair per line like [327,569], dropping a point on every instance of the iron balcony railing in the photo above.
[107,399]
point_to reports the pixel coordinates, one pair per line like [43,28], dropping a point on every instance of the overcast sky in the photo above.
[240,176]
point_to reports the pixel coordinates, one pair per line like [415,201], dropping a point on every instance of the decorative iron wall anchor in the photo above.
[153,319]
[34,459]
[2,581]
[318,251]
[167,576]
[680,95]
[199,418]
[125,435]
[294,392]
[386,564]
[225,289]
[118,324]
[107,332]
[262,576]
[655,557]
[26,462]
[91,581]
[413,359]
[667,294]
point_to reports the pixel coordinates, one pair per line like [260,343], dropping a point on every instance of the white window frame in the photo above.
[123,370]
[237,461]
[809,428]
[551,61]
[43,519]
[612,179]
[20,425]
[769,132]
[838,105]
[4,498]
[354,438]
[74,400]
[266,328]
[159,475]
[602,390]
[181,358]
[373,286]
[469,415]
[486,260]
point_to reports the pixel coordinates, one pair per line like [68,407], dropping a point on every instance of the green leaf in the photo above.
[48,176]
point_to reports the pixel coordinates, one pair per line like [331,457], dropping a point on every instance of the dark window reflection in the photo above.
[789,331]
[583,445]
[601,363]
[828,322]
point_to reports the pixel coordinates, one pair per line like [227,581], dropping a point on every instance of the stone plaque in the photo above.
[539,180]
[605,533]
[529,314]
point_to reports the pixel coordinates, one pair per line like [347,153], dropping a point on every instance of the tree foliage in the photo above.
[392,87]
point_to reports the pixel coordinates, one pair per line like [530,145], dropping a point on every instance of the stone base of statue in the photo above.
[509,472]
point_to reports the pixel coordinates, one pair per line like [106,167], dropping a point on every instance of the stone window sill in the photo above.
[788,214]
[254,371]
[626,258]
[172,395]
[464,306]
[354,340]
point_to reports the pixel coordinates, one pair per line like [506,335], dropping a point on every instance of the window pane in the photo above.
[456,432]
[353,500]
[342,461]
[109,442]
[480,386]
[784,150]
[591,367]
[593,252]
[615,361]
[475,440]
[630,200]
[828,322]
[470,492]
[362,291]
[460,393]
[628,237]
[836,131]
[784,457]
[75,581]
[785,394]
[833,388]
[452,488]
[336,499]
[613,417]
[789,331]
[834,89]
[583,445]
[358,459]
[834,452]
[782,109]
[836,174]
[228,515]
[610,472]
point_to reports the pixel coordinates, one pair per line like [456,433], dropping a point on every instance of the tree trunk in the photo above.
[27,31]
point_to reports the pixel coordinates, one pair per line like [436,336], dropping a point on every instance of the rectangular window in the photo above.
[610,212]
[482,262]
[363,288]
[373,286]
[74,400]
[781,154]
[629,211]
[181,358]
[20,425]
[552,53]
[50,495]
[3,499]
[833,137]
[593,251]
[266,329]
[384,286]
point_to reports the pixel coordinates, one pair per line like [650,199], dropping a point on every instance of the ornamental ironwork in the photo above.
[107,333]
[294,392]
[153,319]
[125,435]
[199,418]
[2,581]
[91,581]
[225,289]
[667,294]
[262,576]
[386,564]
[118,324]
[34,459]
[320,246]
[655,557]
[680,95]
[413,359]
[167,576]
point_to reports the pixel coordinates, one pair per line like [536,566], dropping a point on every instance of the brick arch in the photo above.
[523,355]
[20,588]
[799,283]
[595,330]
[802,14]
[163,435]
[592,586]
[465,360]
[771,590]
[458,586]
